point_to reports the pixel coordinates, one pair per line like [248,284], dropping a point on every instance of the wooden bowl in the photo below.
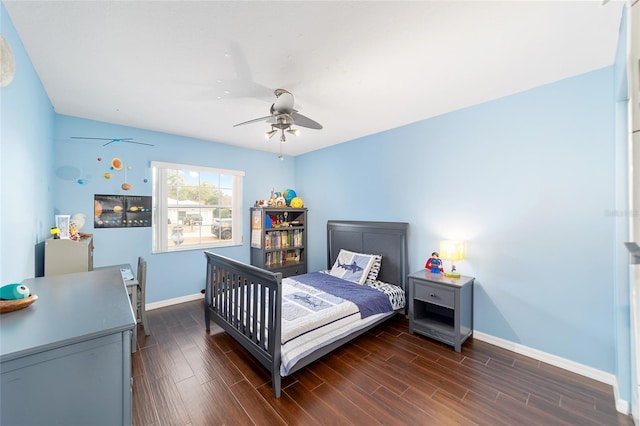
[14,305]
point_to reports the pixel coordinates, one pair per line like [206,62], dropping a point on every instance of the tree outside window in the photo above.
[195,207]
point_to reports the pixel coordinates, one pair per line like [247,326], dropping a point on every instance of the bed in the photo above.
[258,308]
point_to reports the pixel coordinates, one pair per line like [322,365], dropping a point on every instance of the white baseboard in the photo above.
[169,302]
[622,406]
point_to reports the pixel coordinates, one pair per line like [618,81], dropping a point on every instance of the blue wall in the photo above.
[526,180]
[529,181]
[170,275]
[26,152]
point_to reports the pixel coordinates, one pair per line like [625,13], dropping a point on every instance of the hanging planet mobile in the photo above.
[116,164]
[126,186]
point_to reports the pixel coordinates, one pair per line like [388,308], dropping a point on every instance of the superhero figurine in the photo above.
[434,264]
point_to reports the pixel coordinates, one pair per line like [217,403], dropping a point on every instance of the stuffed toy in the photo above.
[14,291]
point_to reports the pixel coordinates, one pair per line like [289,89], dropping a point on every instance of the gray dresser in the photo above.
[66,359]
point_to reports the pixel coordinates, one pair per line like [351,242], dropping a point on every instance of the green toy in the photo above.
[14,291]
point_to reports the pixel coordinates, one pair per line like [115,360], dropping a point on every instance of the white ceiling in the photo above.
[197,68]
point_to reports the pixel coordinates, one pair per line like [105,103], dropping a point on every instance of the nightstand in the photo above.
[440,307]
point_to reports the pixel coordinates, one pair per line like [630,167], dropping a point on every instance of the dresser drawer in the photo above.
[434,294]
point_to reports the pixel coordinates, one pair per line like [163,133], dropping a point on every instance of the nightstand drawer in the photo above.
[435,294]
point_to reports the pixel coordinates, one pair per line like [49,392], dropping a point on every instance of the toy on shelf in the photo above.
[281,202]
[297,203]
[434,264]
[288,198]
[289,194]
[75,225]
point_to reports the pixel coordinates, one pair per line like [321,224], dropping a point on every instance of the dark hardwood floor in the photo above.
[183,376]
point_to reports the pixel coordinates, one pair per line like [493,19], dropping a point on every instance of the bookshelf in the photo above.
[279,239]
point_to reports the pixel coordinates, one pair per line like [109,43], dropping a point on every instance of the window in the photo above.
[195,207]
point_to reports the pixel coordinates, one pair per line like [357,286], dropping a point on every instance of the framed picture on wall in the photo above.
[121,211]
[63,221]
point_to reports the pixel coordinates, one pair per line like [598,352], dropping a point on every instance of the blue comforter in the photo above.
[368,300]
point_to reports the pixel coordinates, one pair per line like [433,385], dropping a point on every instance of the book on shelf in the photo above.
[282,257]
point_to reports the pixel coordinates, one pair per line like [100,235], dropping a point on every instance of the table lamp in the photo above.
[452,251]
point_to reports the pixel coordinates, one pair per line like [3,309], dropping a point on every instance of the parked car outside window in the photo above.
[221,228]
[193,219]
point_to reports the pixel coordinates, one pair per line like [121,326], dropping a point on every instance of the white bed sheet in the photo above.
[303,335]
[302,346]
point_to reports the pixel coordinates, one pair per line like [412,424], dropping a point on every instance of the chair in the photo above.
[142,300]
[140,311]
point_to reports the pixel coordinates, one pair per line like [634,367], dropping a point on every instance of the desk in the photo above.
[66,359]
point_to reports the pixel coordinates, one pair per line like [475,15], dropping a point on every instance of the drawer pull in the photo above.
[432,295]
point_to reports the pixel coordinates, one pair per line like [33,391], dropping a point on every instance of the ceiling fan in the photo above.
[114,140]
[283,117]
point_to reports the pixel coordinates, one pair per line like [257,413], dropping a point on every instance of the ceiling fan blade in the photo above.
[255,120]
[303,121]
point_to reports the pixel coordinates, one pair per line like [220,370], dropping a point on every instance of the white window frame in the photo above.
[162,242]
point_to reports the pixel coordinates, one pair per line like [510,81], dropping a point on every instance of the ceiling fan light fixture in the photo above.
[269,134]
[283,116]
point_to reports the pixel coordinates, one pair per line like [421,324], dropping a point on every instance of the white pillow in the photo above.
[352,266]
[372,277]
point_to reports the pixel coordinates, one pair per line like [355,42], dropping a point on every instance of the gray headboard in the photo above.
[386,238]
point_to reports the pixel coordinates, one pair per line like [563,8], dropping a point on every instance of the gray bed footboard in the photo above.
[246,302]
